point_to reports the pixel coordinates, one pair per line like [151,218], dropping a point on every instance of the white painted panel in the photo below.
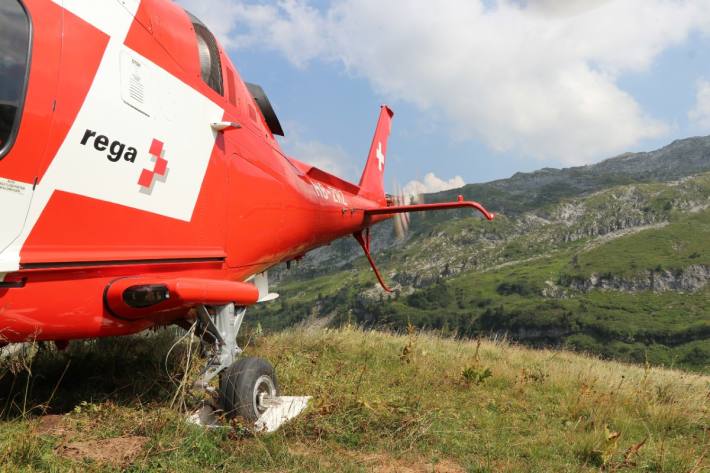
[188,142]
[82,169]
[15,198]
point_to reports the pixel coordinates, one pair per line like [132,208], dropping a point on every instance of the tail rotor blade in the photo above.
[401,220]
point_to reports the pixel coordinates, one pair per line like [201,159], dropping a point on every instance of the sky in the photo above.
[481,89]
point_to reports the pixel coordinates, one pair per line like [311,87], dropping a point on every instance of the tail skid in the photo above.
[363,237]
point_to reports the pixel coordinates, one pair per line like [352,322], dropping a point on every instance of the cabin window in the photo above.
[14,55]
[210,64]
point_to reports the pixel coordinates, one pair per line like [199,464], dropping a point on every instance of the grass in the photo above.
[382,402]
[681,243]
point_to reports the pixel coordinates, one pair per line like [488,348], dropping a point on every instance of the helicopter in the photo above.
[142,185]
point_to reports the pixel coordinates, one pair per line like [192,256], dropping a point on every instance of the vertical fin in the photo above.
[372,180]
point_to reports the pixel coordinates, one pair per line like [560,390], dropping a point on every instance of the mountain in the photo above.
[526,191]
[611,258]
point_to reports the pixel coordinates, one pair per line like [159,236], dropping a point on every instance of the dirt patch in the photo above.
[118,451]
[52,425]
[383,463]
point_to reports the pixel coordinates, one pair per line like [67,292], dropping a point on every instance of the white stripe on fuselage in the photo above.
[180,118]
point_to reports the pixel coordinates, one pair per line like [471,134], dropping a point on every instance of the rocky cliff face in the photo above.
[690,279]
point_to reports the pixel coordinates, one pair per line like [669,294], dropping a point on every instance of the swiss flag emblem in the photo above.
[148,176]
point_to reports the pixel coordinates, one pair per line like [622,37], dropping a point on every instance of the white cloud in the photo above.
[700,114]
[291,26]
[537,77]
[430,184]
[220,16]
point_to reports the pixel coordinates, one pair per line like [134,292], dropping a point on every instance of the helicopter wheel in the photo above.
[246,386]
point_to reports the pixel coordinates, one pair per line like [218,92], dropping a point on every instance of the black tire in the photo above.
[241,384]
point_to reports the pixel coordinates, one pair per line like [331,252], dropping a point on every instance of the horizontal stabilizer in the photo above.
[363,236]
[334,181]
[460,203]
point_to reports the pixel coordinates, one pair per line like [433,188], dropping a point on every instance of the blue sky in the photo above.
[480,90]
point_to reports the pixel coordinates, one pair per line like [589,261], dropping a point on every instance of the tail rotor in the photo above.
[402,220]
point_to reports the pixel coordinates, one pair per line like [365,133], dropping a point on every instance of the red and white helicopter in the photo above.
[141,184]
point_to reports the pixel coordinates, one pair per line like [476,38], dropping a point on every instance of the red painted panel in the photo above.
[65,304]
[176,52]
[77,228]
[24,159]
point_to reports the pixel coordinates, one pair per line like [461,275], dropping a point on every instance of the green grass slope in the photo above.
[413,403]
[683,242]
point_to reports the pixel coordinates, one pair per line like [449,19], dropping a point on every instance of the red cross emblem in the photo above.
[160,169]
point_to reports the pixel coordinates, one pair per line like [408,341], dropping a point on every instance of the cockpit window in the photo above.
[210,64]
[14,54]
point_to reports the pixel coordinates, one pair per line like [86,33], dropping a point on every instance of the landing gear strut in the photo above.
[218,331]
[248,386]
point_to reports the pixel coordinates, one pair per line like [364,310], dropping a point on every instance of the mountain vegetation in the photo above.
[611,258]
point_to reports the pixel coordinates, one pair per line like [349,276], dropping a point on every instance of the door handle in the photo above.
[222,126]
